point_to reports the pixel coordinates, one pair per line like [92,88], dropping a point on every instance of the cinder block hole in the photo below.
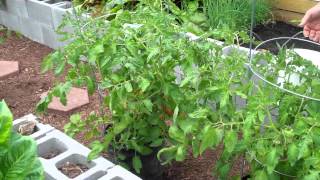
[26,128]
[53,1]
[51,148]
[96,175]
[74,165]
[117,178]
[48,177]
[66,5]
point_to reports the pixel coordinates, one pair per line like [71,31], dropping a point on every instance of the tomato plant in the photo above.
[133,58]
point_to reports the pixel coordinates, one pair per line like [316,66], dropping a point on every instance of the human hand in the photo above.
[311,24]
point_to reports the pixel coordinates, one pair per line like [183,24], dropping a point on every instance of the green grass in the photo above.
[235,14]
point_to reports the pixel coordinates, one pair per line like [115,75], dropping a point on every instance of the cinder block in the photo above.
[70,151]
[59,12]
[17,7]
[31,29]
[50,37]
[119,173]
[193,37]
[41,10]
[11,21]
[40,129]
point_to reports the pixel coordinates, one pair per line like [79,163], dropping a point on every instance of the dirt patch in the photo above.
[281,29]
[73,170]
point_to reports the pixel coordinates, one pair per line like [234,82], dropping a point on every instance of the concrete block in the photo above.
[41,10]
[59,12]
[70,151]
[50,37]
[17,7]
[40,129]
[11,21]
[193,37]
[119,173]
[31,29]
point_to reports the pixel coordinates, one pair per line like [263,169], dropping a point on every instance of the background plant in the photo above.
[18,154]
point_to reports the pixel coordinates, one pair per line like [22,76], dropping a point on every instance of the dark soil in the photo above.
[73,170]
[51,154]
[281,29]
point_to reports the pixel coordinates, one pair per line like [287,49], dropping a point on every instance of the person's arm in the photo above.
[311,23]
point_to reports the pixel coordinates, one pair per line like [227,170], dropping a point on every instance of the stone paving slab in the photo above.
[8,68]
[76,98]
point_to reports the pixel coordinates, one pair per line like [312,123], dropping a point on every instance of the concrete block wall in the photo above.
[50,140]
[36,19]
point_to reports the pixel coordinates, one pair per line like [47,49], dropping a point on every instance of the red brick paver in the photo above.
[8,68]
[75,99]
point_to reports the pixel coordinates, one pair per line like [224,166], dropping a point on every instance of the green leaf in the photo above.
[193,6]
[6,119]
[148,104]
[242,95]
[181,153]
[128,86]
[91,85]
[230,141]
[175,114]
[156,143]
[176,134]
[95,52]
[165,155]
[96,148]
[199,114]
[224,100]
[261,175]
[313,175]
[122,125]
[144,84]
[21,159]
[293,153]
[75,118]
[304,150]
[60,68]
[137,164]
[46,64]
[211,137]
[272,160]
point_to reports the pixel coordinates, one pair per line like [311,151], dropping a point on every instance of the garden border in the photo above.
[36,19]
[70,150]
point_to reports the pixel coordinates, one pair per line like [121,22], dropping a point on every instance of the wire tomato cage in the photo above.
[252,55]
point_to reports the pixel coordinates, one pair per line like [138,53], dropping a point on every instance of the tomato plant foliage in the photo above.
[165,91]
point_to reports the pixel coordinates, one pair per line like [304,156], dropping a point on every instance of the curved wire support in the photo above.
[261,77]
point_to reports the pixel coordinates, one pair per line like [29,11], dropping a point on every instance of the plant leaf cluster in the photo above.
[18,154]
[165,91]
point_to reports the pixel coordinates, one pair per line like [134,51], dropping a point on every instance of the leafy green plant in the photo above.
[134,56]
[18,154]
[277,132]
[236,14]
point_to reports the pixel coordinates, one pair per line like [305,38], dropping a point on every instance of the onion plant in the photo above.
[235,14]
